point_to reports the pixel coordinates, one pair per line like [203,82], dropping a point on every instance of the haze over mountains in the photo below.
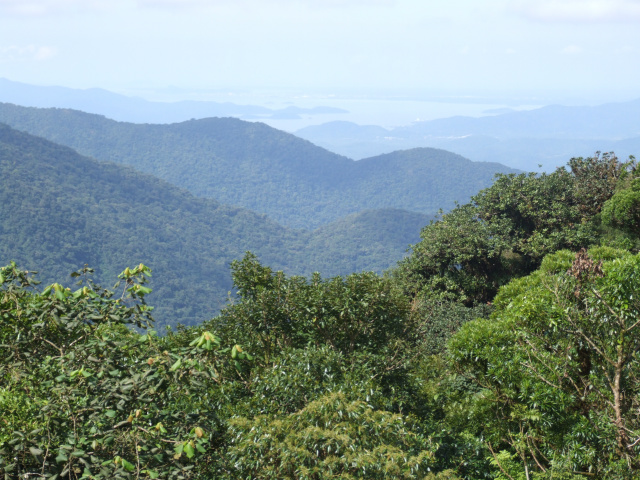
[548,136]
[202,193]
[138,110]
[254,166]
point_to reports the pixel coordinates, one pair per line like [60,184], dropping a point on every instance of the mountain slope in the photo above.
[372,234]
[60,211]
[263,169]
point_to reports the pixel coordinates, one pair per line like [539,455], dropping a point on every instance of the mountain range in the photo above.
[138,110]
[252,165]
[542,138]
[546,136]
[188,198]
[61,210]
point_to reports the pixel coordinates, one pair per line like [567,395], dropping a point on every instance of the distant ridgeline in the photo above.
[255,166]
[546,136]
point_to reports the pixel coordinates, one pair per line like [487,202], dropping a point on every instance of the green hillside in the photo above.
[505,346]
[370,235]
[61,210]
[257,167]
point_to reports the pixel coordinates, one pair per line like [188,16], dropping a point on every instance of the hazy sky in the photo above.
[454,45]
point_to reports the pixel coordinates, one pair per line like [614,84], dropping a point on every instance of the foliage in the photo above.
[360,312]
[557,365]
[538,214]
[438,320]
[622,210]
[330,438]
[596,179]
[85,396]
[508,228]
[460,258]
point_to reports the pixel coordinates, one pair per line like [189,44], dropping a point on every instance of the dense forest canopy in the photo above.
[504,347]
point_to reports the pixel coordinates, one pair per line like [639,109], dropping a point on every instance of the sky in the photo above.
[589,48]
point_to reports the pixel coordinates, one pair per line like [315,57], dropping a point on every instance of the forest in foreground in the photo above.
[505,346]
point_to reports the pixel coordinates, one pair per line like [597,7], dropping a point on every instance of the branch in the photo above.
[53,345]
[634,443]
[498,463]
[151,433]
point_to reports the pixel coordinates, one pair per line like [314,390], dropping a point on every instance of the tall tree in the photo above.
[557,368]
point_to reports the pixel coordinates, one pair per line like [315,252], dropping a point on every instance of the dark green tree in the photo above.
[622,210]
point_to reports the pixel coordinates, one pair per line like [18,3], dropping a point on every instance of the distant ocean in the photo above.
[388,113]
[383,109]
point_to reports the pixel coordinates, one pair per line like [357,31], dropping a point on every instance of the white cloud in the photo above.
[35,8]
[578,11]
[29,52]
[177,4]
[44,53]
[571,50]
[190,4]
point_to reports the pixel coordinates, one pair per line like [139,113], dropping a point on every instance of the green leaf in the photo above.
[35,451]
[188,449]
[110,413]
[179,449]
[130,467]
[59,293]
[176,365]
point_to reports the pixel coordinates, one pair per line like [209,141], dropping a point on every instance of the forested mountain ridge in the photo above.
[60,210]
[263,169]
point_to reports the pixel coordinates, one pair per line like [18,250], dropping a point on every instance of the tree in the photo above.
[538,213]
[273,312]
[508,228]
[331,437]
[460,258]
[557,368]
[84,395]
[596,179]
[622,210]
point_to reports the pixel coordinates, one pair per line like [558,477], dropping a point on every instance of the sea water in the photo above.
[388,109]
